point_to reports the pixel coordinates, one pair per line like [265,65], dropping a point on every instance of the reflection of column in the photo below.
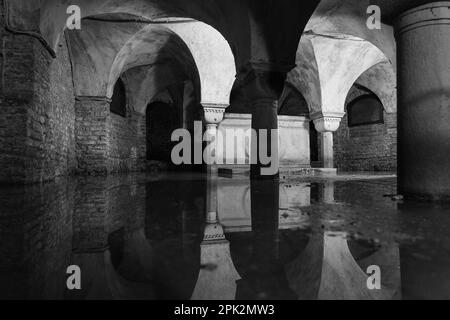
[263,83]
[91,134]
[265,206]
[90,239]
[218,276]
[92,216]
[265,276]
[326,124]
[423,39]
[328,192]
[294,196]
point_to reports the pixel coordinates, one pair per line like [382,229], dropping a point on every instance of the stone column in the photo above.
[262,84]
[423,42]
[213,116]
[326,151]
[326,124]
[92,117]
[139,121]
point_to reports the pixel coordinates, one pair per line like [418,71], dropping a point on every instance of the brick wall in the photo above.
[367,148]
[106,142]
[92,135]
[37,111]
[44,132]
[127,143]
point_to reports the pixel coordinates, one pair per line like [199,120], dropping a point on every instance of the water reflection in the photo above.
[187,237]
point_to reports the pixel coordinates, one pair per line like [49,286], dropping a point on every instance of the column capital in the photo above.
[327,121]
[92,98]
[435,13]
[262,79]
[213,232]
[214,113]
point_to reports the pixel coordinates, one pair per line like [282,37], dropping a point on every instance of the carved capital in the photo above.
[92,98]
[327,122]
[214,232]
[214,113]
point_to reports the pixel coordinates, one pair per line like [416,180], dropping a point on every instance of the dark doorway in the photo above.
[314,143]
[119,99]
[162,120]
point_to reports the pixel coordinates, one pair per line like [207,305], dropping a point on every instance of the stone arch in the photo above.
[293,103]
[365,109]
[305,76]
[145,84]
[209,51]
[336,45]
[53,15]
[336,17]
[338,72]
[111,49]
[153,45]
[382,81]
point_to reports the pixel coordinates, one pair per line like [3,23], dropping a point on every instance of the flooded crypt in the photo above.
[225,150]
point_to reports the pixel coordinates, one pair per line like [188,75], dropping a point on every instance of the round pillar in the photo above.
[326,124]
[262,84]
[265,119]
[423,41]
[213,116]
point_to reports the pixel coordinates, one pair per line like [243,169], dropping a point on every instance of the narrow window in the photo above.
[365,110]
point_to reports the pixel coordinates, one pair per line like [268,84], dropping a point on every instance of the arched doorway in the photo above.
[162,120]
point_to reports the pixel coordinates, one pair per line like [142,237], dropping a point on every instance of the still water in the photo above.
[158,237]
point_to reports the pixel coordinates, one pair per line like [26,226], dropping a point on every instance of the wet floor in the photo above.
[157,237]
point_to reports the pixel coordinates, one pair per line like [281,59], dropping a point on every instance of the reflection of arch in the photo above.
[217,277]
[101,281]
[328,269]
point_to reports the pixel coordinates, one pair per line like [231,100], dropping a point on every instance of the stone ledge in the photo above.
[230,171]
